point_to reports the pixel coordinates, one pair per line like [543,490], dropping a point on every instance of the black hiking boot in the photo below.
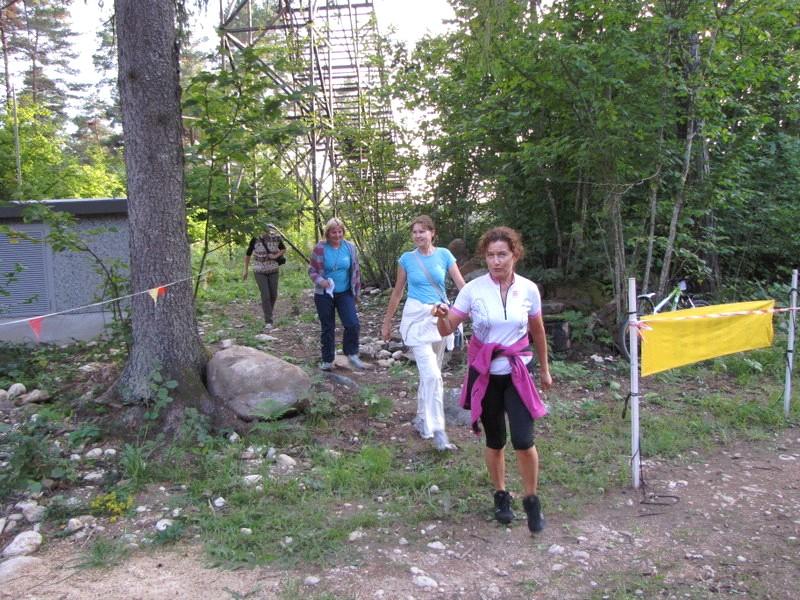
[502,507]
[533,509]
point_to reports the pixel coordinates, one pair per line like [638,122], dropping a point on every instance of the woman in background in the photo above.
[335,271]
[424,270]
[264,253]
[505,309]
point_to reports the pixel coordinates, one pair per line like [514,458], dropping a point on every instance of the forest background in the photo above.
[647,139]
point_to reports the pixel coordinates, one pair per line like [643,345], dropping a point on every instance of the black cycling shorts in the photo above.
[502,399]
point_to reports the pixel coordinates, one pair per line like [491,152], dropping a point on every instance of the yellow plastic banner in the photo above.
[684,337]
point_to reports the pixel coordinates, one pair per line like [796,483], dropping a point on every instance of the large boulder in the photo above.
[256,385]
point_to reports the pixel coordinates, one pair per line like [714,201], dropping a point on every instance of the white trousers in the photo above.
[430,394]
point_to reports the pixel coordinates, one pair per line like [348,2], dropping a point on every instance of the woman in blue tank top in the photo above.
[424,270]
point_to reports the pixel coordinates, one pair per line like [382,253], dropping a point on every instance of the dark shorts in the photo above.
[502,399]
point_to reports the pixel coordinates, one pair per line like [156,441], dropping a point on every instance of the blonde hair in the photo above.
[333,222]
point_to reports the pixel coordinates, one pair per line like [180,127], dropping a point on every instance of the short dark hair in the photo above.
[502,234]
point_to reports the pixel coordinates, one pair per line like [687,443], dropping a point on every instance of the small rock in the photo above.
[94,476]
[226,343]
[252,480]
[246,531]
[557,567]
[94,453]
[33,397]
[311,580]
[25,543]
[75,457]
[581,555]
[437,546]
[285,460]
[34,513]
[109,453]
[219,502]
[16,389]
[74,524]
[424,581]
[356,535]
[164,524]
[434,489]
[234,438]
[555,549]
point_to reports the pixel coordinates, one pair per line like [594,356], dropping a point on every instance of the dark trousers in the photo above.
[268,286]
[345,304]
[502,399]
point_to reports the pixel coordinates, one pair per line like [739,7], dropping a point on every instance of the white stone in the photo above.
[311,580]
[581,555]
[285,460]
[75,457]
[437,545]
[356,535]
[219,502]
[245,531]
[142,509]
[16,389]
[94,453]
[555,549]
[3,395]
[403,541]
[25,543]
[34,513]
[251,480]
[164,524]
[227,343]
[234,438]
[176,512]
[557,567]
[14,567]
[424,581]
[109,453]
[94,476]
[74,524]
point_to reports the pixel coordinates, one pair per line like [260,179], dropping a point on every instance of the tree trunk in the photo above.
[165,337]
[617,251]
[651,236]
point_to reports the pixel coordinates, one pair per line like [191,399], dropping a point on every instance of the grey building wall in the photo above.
[76,279]
[64,280]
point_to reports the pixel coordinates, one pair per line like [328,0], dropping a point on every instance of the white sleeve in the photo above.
[536,300]
[463,301]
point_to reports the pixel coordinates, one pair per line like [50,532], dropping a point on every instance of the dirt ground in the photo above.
[725,523]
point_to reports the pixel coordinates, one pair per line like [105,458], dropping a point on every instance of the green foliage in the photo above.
[159,397]
[32,456]
[572,127]
[48,170]
[84,434]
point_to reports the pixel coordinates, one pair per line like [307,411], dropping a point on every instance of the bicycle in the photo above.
[678,299]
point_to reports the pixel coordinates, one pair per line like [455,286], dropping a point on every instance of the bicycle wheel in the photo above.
[623,341]
[688,302]
[644,306]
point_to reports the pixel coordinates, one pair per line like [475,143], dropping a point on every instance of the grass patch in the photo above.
[103,554]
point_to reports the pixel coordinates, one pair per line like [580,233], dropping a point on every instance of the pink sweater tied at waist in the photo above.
[476,379]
